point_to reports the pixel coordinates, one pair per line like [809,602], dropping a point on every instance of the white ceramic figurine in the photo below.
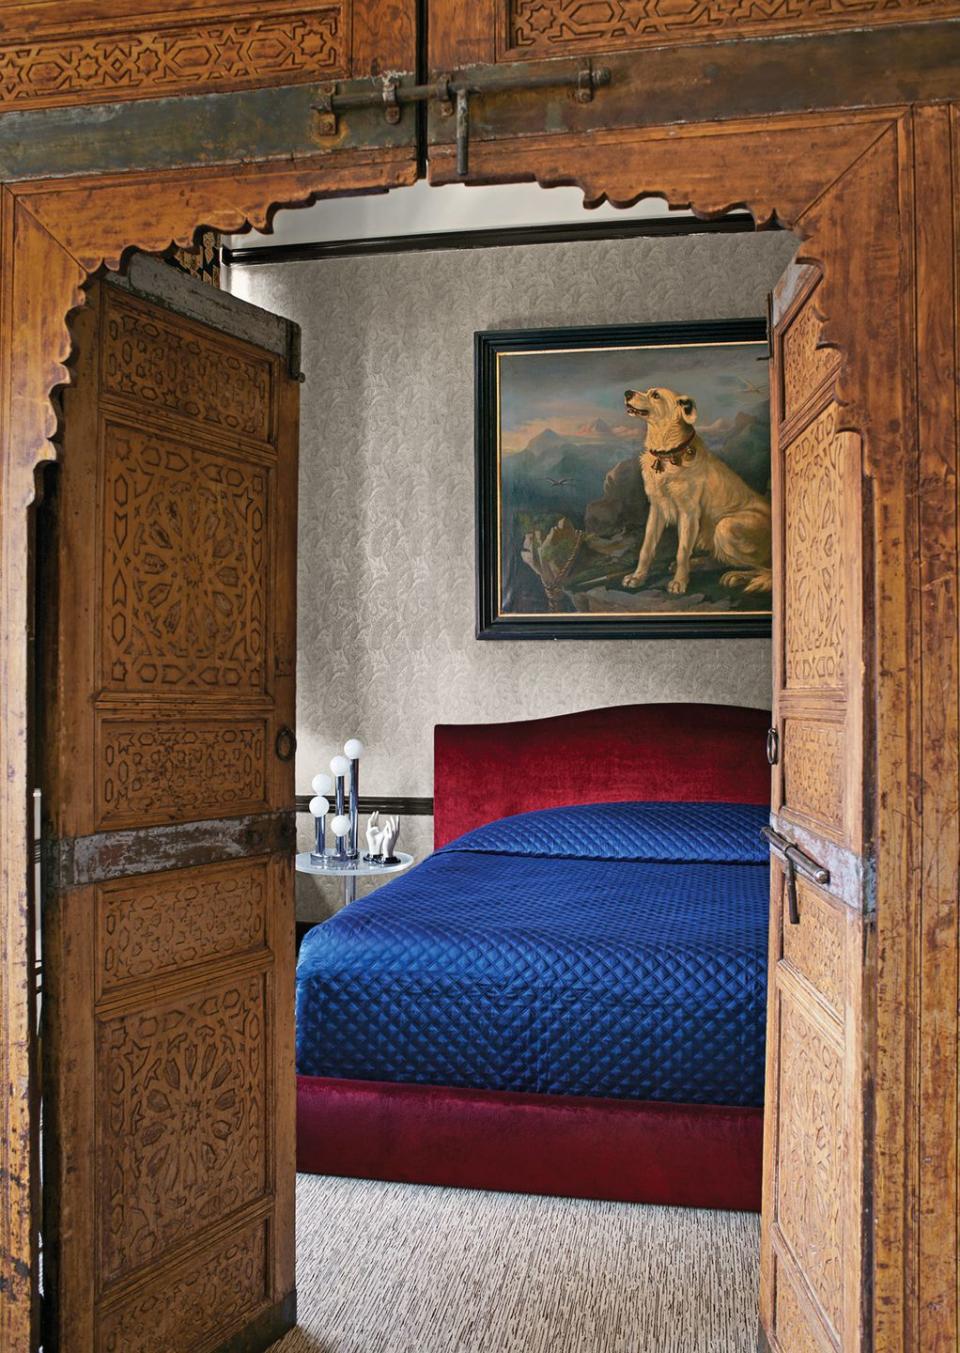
[373,837]
[382,838]
[389,835]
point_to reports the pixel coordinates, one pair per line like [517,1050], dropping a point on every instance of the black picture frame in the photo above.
[491,622]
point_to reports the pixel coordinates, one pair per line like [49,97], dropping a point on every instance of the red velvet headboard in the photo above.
[701,753]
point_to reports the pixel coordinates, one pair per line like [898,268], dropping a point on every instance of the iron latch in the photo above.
[795,861]
[452,93]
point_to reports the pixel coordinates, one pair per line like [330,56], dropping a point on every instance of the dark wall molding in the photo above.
[371,803]
[491,238]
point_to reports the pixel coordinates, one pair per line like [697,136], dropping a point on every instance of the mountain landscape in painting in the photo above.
[573,512]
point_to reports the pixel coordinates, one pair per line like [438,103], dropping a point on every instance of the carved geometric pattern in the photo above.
[550,27]
[792,1326]
[814,571]
[815,946]
[210,1298]
[813,771]
[202,261]
[158,924]
[185,566]
[811,1155]
[182,1114]
[187,770]
[805,366]
[173,369]
[247,50]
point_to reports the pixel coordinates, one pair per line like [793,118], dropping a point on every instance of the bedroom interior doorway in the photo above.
[138,312]
[849,177]
[811,668]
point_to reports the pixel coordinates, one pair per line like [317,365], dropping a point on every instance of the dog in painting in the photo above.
[689,487]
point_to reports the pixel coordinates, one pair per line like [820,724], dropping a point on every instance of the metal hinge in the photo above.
[453,93]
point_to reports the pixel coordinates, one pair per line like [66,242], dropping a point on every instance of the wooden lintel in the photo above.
[254,125]
[722,81]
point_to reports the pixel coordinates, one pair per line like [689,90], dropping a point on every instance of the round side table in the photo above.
[350,872]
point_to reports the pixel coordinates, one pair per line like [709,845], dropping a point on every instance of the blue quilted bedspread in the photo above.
[612,949]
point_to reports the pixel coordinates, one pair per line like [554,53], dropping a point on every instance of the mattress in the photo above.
[613,950]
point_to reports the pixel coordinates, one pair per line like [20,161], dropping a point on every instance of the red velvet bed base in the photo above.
[688,1155]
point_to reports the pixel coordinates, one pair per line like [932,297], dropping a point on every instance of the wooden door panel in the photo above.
[819,668]
[152,926]
[812,1290]
[809,1195]
[529,29]
[814,948]
[813,770]
[169,765]
[742,60]
[812,1281]
[814,595]
[182,1117]
[182,371]
[169,918]
[464,32]
[795,1318]
[804,368]
[117,52]
[218,1286]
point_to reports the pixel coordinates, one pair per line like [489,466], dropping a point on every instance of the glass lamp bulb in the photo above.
[320,806]
[353,747]
[340,824]
[340,766]
[323,783]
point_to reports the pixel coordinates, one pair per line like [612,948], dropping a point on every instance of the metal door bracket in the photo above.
[795,861]
[452,94]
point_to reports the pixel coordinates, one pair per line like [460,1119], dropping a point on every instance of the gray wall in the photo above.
[386,646]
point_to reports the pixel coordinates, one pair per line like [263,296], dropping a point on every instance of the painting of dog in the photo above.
[623,481]
[693,490]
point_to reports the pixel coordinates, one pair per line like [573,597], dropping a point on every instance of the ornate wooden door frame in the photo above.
[850,185]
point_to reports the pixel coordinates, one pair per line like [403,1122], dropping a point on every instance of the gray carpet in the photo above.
[401,1268]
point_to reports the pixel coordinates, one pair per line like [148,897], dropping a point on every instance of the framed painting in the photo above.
[623,481]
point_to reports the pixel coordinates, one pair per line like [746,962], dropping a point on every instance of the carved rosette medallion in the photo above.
[185,566]
[182,1108]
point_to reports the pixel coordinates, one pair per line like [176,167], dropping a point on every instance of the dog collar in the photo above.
[674,454]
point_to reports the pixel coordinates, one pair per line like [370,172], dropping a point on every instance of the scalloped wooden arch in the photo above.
[847,185]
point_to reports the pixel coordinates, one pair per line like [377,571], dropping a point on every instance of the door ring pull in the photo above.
[286,744]
[773,746]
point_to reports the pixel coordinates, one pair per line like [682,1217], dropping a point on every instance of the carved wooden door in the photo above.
[812,1285]
[169,585]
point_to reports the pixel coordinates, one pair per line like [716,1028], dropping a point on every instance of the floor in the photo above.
[402,1268]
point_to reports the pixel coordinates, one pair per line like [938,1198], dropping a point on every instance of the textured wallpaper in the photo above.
[386,570]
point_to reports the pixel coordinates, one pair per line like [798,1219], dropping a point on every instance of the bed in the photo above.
[561,999]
